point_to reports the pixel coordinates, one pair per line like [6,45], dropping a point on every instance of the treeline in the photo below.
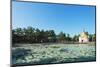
[32,35]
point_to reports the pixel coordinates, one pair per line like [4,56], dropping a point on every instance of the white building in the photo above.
[84,38]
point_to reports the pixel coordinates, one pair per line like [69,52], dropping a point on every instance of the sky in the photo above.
[72,19]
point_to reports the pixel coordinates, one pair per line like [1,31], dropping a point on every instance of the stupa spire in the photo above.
[84,30]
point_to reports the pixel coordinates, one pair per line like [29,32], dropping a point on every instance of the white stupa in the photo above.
[84,38]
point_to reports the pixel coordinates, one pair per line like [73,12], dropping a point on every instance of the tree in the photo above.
[18,35]
[30,34]
[18,31]
[94,37]
[37,35]
[51,36]
[90,37]
[42,36]
[75,37]
[68,38]
[61,37]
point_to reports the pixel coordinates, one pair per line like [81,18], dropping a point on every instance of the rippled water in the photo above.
[55,53]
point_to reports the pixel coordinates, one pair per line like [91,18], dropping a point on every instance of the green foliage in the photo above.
[92,37]
[32,35]
[61,37]
[76,38]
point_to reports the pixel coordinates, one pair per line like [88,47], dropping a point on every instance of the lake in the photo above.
[35,54]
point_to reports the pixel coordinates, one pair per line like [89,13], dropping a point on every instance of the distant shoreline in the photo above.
[91,43]
[58,43]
